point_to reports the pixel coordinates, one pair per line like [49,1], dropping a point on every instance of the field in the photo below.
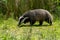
[10,31]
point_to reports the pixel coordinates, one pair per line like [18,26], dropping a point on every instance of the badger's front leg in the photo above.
[32,22]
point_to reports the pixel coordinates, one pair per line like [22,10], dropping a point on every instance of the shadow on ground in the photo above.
[33,25]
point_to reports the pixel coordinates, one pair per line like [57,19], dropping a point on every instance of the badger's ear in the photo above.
[24,19]
[21,17]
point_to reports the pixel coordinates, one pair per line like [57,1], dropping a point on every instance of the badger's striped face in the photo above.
[22,20]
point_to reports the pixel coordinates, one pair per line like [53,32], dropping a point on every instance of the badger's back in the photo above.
[37,14]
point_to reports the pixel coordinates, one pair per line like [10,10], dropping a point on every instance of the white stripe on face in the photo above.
[20,17]
[24,19]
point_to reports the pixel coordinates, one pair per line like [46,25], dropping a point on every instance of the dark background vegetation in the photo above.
[15,8]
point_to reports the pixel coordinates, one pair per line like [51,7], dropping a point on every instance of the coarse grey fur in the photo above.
[36,15]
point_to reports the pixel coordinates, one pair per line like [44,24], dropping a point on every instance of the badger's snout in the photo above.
[20,19]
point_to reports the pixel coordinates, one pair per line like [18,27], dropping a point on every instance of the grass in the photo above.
[10,31]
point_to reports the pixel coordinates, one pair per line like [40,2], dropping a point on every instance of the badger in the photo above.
[39,15]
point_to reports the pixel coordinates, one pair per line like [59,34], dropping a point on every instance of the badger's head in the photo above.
[23,20]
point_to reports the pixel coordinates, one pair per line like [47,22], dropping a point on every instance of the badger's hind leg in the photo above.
[49,21]
[40,22]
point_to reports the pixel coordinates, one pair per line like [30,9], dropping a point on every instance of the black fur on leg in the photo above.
[40,22]
[32,22]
